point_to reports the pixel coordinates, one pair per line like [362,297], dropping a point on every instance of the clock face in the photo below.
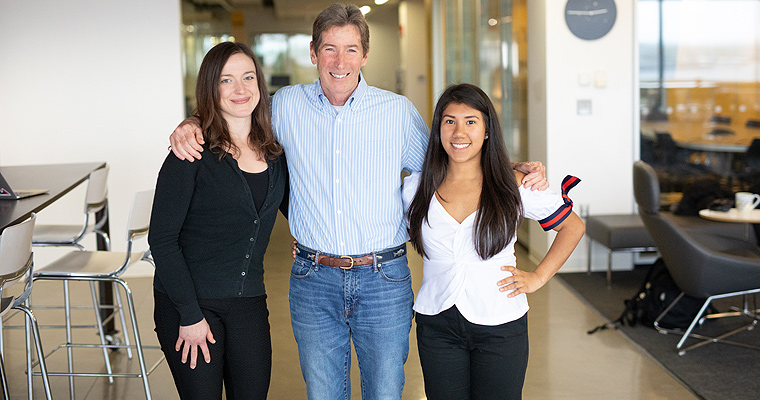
[590,19]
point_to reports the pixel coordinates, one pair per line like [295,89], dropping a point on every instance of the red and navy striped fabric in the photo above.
[558,216]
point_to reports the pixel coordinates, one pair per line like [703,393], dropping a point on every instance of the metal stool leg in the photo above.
[101,334]
[69,353]
[588,268]
[3,380]
[609,268]
[138,342]
[123,321]
[31,325]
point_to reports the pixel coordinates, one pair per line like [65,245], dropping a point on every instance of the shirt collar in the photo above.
[353,100]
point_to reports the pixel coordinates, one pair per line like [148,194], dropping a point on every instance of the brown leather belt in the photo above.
[348,262]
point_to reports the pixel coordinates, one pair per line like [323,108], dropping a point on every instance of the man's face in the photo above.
[339,59]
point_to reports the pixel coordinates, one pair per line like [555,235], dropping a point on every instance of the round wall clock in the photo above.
[590,19]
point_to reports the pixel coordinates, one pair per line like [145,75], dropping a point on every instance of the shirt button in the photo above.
[337,181]
[339,120]
[339,211]
[337,151]
[242,273]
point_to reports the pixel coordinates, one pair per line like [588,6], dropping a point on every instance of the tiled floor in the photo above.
[565,362]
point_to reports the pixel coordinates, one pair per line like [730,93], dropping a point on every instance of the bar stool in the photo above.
[16,264]
[96,203]
[106,266]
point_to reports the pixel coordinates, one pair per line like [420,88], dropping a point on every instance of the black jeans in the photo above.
[241,356]
[462,360]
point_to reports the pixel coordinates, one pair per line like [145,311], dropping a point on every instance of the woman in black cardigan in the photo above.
[210,228]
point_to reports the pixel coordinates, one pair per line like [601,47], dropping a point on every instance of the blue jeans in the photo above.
[371,304]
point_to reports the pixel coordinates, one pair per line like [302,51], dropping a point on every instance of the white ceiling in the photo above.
[288,8]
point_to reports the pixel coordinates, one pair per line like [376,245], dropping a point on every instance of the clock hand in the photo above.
[589,13]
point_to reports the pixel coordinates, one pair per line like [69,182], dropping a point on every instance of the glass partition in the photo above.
[285,59]
[484,42]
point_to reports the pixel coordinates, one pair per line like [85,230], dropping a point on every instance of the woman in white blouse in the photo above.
[463,211]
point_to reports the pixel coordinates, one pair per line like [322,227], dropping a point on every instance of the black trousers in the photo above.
[461,360]
[241,356]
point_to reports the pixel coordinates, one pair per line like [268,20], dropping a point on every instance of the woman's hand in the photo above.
[186,140]
[194,336]
[520,281]
[293,247]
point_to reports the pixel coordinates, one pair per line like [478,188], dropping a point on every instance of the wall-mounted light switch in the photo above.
[584,107]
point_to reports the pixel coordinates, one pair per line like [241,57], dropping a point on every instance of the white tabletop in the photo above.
[732,215]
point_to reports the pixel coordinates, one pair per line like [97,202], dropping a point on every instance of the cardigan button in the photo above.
[247,256]
[255,221]
[242,273]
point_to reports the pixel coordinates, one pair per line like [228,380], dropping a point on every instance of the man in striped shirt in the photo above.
[346,143]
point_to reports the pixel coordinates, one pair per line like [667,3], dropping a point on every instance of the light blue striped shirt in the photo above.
[345,165]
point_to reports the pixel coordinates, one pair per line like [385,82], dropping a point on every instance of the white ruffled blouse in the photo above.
[454,274]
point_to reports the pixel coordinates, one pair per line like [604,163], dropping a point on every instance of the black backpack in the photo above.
[655,294]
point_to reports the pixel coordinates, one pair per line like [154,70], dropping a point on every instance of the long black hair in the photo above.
[500,207]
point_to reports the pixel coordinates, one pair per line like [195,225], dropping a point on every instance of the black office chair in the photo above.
[747,165]
[703,263]
[721,119]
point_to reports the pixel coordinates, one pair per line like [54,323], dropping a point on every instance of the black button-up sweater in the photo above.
[206,237]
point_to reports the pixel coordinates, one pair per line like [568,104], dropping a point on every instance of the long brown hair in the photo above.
[215,130]
[500,207]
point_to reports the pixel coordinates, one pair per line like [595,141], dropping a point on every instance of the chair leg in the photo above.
[588,267]
[29,375]
[69,352]
[123,321]
[106,239]
[609,268]
[3,379]
[31,327]
[101,334]
[697,320]
[138,342]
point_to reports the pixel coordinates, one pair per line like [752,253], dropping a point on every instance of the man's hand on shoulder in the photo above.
[187,140]
[535,178]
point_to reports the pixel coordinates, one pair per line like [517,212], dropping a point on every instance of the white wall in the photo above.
[598,148]
[384,55]
[90,80]
[415,56]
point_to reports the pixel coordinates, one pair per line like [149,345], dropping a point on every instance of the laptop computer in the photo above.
[6,193]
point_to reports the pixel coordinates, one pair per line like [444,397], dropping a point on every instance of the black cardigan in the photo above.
[206,237]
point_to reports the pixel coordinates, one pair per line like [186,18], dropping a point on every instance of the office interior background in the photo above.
[86,80]
[94,80]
